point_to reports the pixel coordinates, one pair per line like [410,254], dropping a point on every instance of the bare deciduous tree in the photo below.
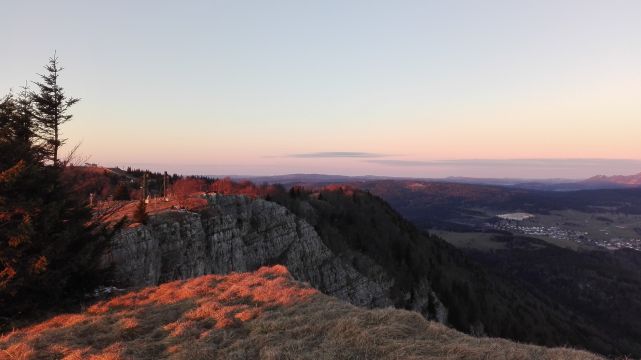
[184,188]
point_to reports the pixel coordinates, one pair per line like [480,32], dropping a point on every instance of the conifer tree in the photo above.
[52,108]
[7,130]
[16,130]
[49,245]
[140,214]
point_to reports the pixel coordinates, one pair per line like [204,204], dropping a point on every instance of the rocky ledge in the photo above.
[236,234]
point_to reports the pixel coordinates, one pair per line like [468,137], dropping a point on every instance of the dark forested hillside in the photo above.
[603,287]
[454,206]
[363,228]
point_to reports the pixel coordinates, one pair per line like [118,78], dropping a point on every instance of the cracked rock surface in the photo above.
[237,234]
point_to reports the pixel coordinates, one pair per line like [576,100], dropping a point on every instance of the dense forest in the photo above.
[602,286]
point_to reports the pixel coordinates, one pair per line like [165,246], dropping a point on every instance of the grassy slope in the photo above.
[264,315]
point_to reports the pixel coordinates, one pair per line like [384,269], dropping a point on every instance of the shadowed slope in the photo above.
[325,328]
[264,314]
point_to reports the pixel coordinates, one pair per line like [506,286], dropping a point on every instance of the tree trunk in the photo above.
[55,146]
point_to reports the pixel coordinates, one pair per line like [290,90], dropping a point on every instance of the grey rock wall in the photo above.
[235,234]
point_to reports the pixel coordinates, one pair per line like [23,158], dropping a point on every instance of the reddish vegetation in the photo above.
[185,194]
[183,189]
[157,320]
[346,189]
[116,210]
[227,186]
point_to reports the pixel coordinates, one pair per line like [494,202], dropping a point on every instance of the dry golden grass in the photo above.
[325,328]
[263,315]
[157,321]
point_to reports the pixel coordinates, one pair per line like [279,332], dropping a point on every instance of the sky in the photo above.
[527,89]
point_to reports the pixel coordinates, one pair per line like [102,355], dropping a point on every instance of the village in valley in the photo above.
[591,230]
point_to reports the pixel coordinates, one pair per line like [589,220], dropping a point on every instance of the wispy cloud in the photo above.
[338,154]
[515,163]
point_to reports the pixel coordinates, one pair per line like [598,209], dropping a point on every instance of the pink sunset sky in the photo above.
[527,89]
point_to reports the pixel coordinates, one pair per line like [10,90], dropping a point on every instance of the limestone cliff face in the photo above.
[237,234]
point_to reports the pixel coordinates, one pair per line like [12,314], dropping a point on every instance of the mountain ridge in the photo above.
[627,180]
[412,270]
[548,184]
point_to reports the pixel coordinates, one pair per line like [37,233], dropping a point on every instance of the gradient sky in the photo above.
[408,88]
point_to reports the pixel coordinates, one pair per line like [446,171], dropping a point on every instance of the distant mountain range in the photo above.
[623,180]
[593,183]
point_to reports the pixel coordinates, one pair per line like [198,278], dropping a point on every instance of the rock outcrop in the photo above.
[237,234]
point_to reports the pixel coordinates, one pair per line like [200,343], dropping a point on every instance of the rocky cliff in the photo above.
[349,244]
[236,234]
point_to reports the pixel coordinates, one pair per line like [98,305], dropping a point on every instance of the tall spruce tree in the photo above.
[25,124]
[8,110]
[49,245]
[52,108]
[16,129]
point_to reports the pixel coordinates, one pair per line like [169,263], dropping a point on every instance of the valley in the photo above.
[574,229]
[588,219]
[564,228]
[573,250]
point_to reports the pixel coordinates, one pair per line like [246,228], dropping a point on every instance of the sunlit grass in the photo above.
[263,315]
[168,316]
